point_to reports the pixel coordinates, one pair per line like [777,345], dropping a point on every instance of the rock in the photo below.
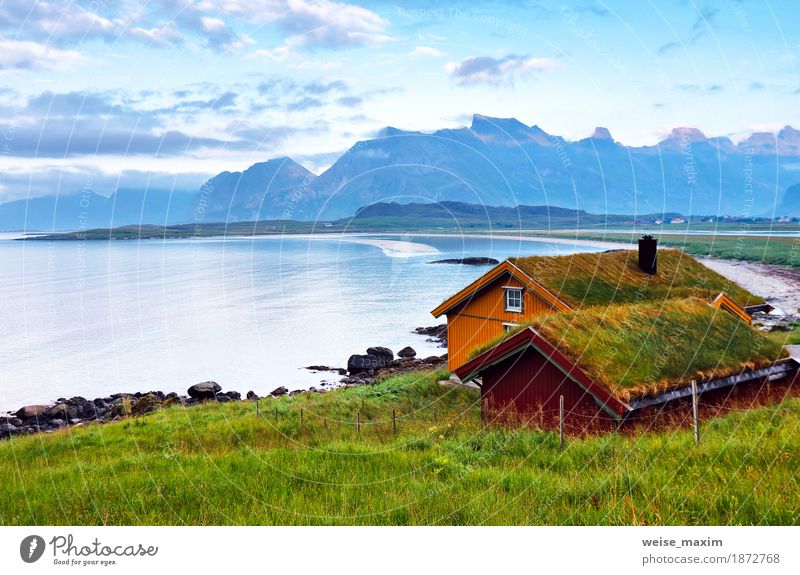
[432,359]
[278,391]
[234,395]
[384,352]
[7,430]
[407,352]
[297,391]
[62,411]
[472,261]
[251,395]
[16,422]
[204,390]
[57,423]
[32,411]
[146,404]
[222,398]
[361,363]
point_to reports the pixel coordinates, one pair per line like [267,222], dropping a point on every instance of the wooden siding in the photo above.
[527,383]
[481,318]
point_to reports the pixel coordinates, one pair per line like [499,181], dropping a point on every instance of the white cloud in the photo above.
[312,23]
[427,51]
[18,54]
[488,70]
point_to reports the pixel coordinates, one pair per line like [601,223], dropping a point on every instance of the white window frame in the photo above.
[509,307]
[509,326]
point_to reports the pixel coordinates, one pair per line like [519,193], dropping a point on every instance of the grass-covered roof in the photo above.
[604,278]
[638,350]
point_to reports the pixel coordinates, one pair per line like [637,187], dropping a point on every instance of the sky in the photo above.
[163,94]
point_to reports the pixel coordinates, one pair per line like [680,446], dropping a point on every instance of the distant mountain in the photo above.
[280,188]
[460,215]
[504,162]
[494,162]
[89,210]
[790,206]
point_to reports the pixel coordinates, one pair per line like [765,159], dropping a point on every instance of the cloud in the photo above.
[163,24]
[488,70]
[24,55]
[696,88]
[310,24]
[350,101]
[427,51]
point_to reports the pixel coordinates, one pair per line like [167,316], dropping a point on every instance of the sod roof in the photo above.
[640,350]
[604,278]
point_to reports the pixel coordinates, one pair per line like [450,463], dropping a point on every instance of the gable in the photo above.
[504,272]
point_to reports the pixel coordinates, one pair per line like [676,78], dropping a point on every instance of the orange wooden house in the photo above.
[520,289]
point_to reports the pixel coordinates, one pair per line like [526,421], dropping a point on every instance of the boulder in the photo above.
[63,411]
[279,391]
[204,390]
[384,352]
[361,363]
[431,359]
[146,404]
[7,430]
[407,353]
[57,423]
[251,395]
[32,411]
[234,395]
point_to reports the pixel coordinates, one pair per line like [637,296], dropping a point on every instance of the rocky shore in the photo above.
[377,364]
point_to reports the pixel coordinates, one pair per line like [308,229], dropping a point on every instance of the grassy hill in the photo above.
[220,464]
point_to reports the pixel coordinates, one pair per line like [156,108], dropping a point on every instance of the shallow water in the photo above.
[100,317]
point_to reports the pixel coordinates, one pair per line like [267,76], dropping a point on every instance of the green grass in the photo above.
[635,350]
[590,279]
[786,337]
[784,251]
[219,464]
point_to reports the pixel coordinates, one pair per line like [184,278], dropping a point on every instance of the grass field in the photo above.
[779,250]
[220,464]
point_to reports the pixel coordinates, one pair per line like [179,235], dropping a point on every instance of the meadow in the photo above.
[778,250]
[335,459]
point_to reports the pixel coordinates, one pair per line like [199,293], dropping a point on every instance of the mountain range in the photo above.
[497,162]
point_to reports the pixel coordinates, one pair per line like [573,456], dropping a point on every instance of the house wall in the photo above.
[481,318]
[527,383]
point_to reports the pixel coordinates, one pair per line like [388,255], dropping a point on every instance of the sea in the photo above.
[92,318]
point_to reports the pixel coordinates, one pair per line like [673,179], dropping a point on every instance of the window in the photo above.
[514,299]
[509,326]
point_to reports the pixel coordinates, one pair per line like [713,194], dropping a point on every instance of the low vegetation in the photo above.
[222,464]
[778,250]
[589,279]
[635,350]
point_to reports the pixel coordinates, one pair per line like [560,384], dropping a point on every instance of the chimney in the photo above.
[648,254]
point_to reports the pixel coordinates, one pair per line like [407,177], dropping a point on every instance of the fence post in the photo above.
[276,414]
[695,407]
[561,421]
[301,416]
[257,406]
[358,421]
[394,423]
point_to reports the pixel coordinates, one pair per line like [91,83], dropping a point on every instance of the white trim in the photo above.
[510,308]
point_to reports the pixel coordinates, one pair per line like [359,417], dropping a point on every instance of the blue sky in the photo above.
[165,93]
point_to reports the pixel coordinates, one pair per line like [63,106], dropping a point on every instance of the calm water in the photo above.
[95,318]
